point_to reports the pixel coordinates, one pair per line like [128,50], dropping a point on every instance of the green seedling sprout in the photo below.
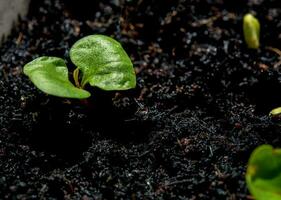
[251,30]
[102,61]
[276,112]
[263,176]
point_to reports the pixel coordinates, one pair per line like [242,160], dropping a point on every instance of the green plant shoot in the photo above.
[275,112]
[251,29]
[263,174]
[101,59]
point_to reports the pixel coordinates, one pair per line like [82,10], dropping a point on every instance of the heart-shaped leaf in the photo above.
[50,74]
[103,63]
[263,175]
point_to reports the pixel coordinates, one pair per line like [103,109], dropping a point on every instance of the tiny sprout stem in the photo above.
[83,83]
[76,77]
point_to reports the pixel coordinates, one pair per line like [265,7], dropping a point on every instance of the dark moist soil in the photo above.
[186,132]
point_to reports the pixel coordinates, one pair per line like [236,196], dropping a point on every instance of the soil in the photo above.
[186,132]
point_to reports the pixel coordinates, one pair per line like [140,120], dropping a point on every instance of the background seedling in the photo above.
[263,175]
[276,112]
[102,61]
[251,30]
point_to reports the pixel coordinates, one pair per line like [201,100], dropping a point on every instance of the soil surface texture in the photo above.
[186,132]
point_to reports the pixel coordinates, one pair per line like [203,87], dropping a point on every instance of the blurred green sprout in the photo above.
[251,30]
[263,176]
[276,112]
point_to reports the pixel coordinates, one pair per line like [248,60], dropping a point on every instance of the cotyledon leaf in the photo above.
[50,74]
[103,62]
[263,175]
[251,30]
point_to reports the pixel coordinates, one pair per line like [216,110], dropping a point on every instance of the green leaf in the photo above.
[50,75]
[251,29]
[263,175]
[103,63]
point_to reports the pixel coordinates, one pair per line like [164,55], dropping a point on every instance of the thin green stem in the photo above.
[76,77]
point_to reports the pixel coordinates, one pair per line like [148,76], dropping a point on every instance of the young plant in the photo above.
[276,112]
[251,29]
[263,174]
[102,61]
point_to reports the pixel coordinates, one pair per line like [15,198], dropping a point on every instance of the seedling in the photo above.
[251,29]
[276,112]
[102,61]
[263,174]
